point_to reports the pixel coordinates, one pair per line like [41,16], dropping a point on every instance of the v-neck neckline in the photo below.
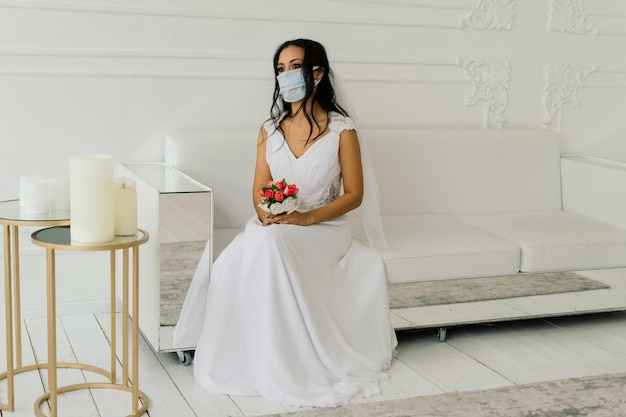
[315,142]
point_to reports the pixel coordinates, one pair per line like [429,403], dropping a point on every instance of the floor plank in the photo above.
[165,398]
[28,385]
[197,397]
[532,351]
[77,403]
[446,367]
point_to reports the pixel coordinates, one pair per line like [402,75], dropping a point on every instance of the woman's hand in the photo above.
[296,217]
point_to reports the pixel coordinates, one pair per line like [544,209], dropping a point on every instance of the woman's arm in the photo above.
[262,174]
[352,176]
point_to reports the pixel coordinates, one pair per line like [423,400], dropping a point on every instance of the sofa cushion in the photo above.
[463,171]
[432,246]
[557,240]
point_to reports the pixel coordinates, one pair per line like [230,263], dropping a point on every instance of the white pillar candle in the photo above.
[34,194]
[125,207]
[59,189]
[92,199]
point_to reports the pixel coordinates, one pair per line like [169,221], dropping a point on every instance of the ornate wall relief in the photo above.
[490,84]
[562,84]
[569,16]
[490,14]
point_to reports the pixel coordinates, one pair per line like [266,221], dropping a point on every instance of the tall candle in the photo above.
[92,202]
[34,194]
[125,207]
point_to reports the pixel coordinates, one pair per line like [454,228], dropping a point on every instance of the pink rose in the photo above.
[269,194]
[280,185]
[260,194]
[279,196]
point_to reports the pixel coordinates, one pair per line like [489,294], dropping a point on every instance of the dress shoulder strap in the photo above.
[269,127]
[340,123]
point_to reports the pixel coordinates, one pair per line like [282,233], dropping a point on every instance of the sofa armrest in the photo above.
[594,187]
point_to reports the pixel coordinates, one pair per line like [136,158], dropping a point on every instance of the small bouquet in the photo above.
[278,197]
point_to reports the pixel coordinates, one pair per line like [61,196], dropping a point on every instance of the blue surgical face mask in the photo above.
[292,85]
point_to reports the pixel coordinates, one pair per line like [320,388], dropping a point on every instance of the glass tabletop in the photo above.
[59,237]
[10,212]
[165,178]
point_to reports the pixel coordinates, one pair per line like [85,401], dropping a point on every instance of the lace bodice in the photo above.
[317,172]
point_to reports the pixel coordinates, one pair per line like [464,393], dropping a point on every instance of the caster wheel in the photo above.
[185,357]
[442,334]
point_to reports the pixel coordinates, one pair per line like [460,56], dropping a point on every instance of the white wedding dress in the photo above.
[297,314]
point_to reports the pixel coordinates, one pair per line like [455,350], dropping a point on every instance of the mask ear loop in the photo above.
[316,82]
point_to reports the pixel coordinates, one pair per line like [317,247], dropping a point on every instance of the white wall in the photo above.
[113,76]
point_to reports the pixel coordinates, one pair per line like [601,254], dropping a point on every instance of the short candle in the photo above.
[125,207]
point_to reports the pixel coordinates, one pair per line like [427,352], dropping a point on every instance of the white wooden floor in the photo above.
[479,357]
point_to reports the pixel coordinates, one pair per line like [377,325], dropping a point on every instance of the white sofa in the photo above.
[456,203]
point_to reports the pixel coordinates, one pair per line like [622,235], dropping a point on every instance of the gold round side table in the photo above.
[11,218]
[58,238]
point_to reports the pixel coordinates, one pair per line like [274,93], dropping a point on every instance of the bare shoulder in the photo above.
[263,134]
[348,139]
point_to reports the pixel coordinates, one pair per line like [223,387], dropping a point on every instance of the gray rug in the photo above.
[179,261]
[599,396]
[178,264]
[414,294]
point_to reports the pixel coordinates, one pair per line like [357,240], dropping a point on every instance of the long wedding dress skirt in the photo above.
[297,314]
[288,319]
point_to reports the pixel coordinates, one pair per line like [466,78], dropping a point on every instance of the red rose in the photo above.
[291,190]
[279,196]
[269,194]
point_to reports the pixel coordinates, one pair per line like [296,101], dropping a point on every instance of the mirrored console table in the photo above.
[177,212]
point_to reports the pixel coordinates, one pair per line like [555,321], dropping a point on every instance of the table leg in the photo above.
[125,317]
[52,331]
[6,231]
[17,297]
[135,343]
[113,320]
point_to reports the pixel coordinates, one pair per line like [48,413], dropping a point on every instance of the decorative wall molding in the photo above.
[125,54]
[561,88]
[216,77]
[128,54]
[131,75]
[490,14]
[128,59]
[257,15]
[396,61]
[607,77]
[171,54]
[424,4]
[403,80]
[490,84]
[569,16]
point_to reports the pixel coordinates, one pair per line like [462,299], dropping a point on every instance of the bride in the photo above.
[296,310]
